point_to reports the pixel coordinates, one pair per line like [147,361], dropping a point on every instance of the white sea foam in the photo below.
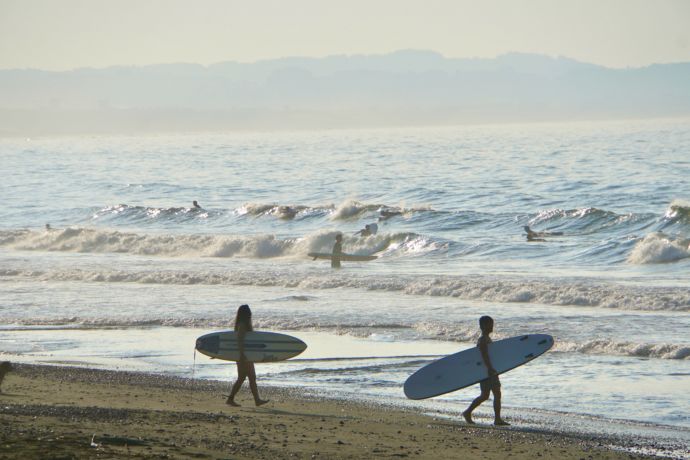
[352,208]
[152,213]
[254,209]
[285,212]
[641,350]
[657,248]
[91,240]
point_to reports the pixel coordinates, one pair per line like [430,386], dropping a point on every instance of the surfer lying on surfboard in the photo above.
[538,236]
[245,368]
[491,384]
[387,214]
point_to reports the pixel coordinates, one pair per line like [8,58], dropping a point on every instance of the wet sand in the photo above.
[55,412]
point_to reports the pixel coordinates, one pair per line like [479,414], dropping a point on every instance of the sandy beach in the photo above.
[383,202]
[65,412]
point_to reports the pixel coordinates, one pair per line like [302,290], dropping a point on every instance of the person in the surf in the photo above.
[286,212]
[368,230]
[245,368]
[5,367]
[538,236]
[337,250]
[196,205]
[388,213]
[491,384]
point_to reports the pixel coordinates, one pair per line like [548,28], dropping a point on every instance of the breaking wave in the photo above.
[588,220]
[90,240]
[348,209]
[679,211]
[351,209]
[657,248]
[638,350]
[285,212]
[135,214]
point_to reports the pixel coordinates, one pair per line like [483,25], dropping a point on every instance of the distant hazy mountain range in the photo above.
[401,88]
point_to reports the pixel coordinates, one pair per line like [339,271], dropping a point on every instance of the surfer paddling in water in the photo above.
[491,384]
[245,368]
[531,235]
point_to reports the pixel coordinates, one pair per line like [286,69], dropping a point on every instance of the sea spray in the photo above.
[95,240]
[657,248]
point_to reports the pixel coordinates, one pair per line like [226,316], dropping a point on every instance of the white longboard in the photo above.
[467,367]
[346,257]
[259,347]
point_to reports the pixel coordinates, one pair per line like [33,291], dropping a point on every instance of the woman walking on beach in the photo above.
[243,324]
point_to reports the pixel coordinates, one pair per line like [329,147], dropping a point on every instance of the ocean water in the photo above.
[129,273]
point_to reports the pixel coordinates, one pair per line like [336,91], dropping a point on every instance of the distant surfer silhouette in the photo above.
[491,384]
[5,367]
[48,227]
[286,212]
[368,230]
[196,205]
[245,368]
[538,236]
[337,250]
[387,214]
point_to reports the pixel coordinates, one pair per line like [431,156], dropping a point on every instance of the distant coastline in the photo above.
[401,89]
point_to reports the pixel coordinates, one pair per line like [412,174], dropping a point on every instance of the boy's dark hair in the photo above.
[485,321]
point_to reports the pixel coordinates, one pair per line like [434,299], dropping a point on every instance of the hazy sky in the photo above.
[64,34]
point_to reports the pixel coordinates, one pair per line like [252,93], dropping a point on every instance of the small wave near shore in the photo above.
[372,330]
[559,292]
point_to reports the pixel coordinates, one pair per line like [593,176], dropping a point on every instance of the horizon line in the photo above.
[346,56]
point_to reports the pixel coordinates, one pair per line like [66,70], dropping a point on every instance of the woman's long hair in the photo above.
[244,316]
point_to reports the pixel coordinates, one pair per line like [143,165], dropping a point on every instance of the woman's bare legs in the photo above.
[241,375]
[244,370]
[251,373]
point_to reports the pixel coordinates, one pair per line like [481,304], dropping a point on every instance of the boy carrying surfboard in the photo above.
[491,384]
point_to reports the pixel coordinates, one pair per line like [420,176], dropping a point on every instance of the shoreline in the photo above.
[78,412]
